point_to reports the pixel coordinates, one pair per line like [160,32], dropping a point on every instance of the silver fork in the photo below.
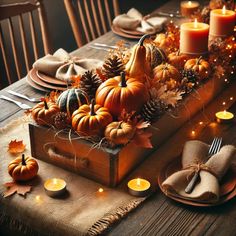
[19,104]
[24,96]
[214,148]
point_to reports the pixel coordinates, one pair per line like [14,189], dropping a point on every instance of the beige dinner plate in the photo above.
[117,30]
[49,79]
[132,32]
[38,81]
[227,187]
[35,86]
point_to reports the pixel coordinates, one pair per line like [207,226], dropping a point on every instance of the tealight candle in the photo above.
[222,22]
[188,8]
[224,116]
[139,187]
[194,38]
[55,187]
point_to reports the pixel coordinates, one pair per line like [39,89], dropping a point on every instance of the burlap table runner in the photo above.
[82,211]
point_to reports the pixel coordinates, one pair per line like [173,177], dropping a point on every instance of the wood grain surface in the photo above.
[158,215]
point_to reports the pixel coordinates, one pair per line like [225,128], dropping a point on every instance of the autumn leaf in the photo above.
[75,81]
[142,139]
[171,97]
[101,75]
[142,124]
[13,187]
[15,146]
[53,95]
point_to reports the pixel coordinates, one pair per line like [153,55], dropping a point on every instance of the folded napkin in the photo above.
[134,20]
[62,65]
[211,171]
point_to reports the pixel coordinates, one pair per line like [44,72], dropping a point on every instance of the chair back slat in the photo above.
[7,68]
[33,36]
[17,32]
[14,50]
[91,19]
[24,44]
[96,20]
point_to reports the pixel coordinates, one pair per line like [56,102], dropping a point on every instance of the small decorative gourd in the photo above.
[137,66]
[119,132]
[43,113]
[71,99]
[177,59]
[154,55]
[167,74]
[122,93]
[91,120]
[23,168]
[200,66]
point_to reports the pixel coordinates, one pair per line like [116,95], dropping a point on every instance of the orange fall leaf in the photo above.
[15,146]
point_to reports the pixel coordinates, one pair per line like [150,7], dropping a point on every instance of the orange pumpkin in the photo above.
[177,59]
[200,66]
[91,120]
[23,168]
[167,74]
[121,92]
[43,113]
[119,132]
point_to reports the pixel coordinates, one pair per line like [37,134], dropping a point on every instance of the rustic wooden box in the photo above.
[110,166]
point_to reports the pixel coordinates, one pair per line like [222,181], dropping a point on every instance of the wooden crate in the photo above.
[110,166]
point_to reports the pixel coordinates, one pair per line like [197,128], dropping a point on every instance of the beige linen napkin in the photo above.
[62,65]
[212,170]
[134,20]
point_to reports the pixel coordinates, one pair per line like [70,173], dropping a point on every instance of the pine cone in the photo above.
[113,66]
[189,80]
[205,13]
[61,120]
[89,83]
[153,109]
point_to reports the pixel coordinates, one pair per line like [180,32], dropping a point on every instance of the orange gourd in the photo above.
[23,168]
[200,66]
[91,120]
[122,93]
[119,132]
[137,66]
[43,113]
[167,74]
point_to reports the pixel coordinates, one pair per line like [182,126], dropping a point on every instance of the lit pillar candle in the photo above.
[194,38]
[188,8]
[139,187]
[222,23]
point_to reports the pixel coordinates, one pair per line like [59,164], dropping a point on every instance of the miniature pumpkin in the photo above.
[137,66]
[43,113]
[200,66]
[168,74]
[122,92]
[177,59]
[23,168]
[154,55]
[119,132]
[91,120]
[71,99]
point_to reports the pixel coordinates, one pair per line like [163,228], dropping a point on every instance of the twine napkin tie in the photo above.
[211,171]
[134,20]
[63,66]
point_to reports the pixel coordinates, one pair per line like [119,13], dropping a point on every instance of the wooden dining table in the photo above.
[158,215]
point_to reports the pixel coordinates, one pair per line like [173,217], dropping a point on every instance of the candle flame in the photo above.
[224,112]
[195,23]
[54,181]
[189,3]
[138,181]
[224,10]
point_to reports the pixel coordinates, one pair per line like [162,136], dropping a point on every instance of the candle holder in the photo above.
[139,187]
[55,187]
[224,117]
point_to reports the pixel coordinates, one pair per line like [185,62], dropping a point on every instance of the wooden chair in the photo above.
[18,45]
[90,19]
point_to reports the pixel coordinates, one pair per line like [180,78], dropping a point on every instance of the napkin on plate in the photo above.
[62,65]
[134,20]
[211,171]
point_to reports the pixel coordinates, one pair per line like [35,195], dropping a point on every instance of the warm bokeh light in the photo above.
[100,190]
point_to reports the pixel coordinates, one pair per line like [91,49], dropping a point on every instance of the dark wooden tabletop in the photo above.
[158,215]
